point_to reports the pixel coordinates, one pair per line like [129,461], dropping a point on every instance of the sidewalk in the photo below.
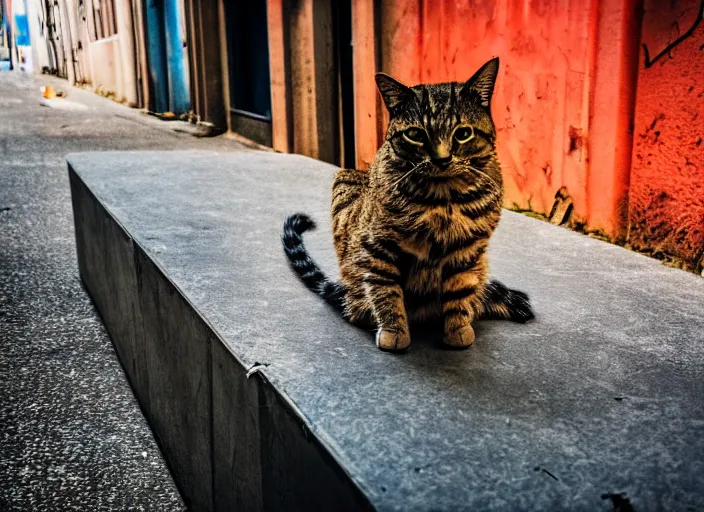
[71,433]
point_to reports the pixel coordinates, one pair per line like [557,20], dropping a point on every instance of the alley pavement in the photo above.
[72,435]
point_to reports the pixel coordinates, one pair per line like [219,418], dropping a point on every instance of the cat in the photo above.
[411,233]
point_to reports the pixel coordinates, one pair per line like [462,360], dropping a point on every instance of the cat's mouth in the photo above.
[427,172]
[453,170]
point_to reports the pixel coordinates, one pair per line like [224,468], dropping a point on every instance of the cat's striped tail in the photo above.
[304,266]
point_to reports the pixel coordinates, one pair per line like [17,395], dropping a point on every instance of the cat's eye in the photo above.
[464,134]
[415,136]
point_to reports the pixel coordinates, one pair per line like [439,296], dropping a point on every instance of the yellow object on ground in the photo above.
[48,92]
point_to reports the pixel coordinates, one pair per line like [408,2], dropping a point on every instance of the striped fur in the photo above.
[411,233]
[303,264]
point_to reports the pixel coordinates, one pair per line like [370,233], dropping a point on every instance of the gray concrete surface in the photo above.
[602,394]
[232,442]
[71,433]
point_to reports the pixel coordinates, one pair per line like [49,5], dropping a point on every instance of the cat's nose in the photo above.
[442,162]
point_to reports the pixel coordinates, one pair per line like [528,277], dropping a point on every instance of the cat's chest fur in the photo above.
[433,214]
[441,224]
[432,231]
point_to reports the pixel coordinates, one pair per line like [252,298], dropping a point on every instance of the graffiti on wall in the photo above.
[666,195]
[648,61]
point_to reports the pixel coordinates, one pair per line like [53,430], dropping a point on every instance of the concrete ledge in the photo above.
[601,394]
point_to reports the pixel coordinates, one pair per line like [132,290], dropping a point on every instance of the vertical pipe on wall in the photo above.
[303,90]
[279,71]
[313,86]
[223,120]
[612,103]
[366,106]
[401,39]
[401,45]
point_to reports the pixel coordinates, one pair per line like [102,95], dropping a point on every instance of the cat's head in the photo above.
[447,125]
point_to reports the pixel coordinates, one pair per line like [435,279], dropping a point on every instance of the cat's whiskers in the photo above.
[496,186]
[395,183]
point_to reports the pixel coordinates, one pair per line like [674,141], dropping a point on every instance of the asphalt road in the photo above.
[71,432]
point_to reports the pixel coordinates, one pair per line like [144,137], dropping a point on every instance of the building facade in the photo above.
[599,104]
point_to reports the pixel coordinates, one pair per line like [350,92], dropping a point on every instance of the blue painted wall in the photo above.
[5,26]
[176,58]
[168,65]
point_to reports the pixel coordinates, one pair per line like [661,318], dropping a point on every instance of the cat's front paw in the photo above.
[393,341]
[461,337]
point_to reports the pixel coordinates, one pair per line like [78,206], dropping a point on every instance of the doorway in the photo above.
[248,55]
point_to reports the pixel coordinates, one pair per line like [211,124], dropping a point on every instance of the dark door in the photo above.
[55,37]
[248,51]
[342,22]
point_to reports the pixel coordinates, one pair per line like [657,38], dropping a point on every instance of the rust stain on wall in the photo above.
[576,140]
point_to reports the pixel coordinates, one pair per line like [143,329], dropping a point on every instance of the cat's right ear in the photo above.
[483,81]
[393,91]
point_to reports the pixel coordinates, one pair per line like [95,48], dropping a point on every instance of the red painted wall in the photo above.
[573,90]
[666,197]
[542,91]
[559,59]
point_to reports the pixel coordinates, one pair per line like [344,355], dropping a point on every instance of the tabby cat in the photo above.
[411,233]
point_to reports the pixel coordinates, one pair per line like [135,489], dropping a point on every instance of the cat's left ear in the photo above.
[393,91]
[482,83]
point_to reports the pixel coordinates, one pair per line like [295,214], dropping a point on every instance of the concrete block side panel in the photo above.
[297,472]
[264,458]
[178,344]
[237,477]
[203,410]
[106,265]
